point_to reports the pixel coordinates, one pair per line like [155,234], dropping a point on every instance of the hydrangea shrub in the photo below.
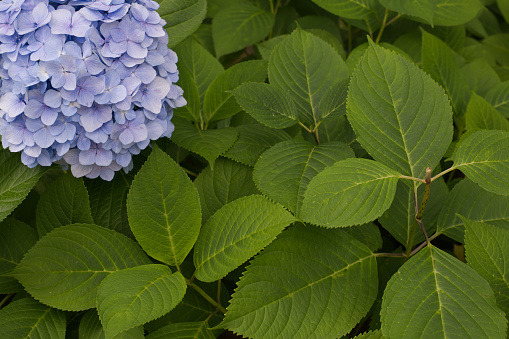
[86,84]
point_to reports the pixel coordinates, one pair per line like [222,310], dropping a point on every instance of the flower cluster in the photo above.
[85,83]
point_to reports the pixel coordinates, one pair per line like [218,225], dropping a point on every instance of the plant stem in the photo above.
[382,28]
[389,255]
[190,172]
[207,297]
[393,19]
[412,178]
[5,299]
[442,173]
[349,38]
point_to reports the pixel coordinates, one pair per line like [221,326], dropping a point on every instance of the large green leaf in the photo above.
[371,335]
[268,104]
[481,115]
[239,25]
[439,61]
[134,296]
[235,233]
[305,67]
[189,330]
[159,195]
[435,295]
[480,76]
[351,192]
[399,219]
[471,201]
[436,12]
[182,17]
[350,9]
[91,328]
[253,141]
[219,103]
[228,181]
[284,171]
[482,156]
[64,202]
[27,318]
[192,110]
[400,115]
[16,181]
[202,65]
[210,144]
[498,96]
[65,267]
[275,299]
[486,251]
[16,238]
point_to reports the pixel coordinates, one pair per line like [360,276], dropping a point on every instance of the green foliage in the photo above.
[340,170]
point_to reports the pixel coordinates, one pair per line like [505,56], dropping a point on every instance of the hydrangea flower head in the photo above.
[85,83]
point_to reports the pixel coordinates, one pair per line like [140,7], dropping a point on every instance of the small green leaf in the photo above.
[368,234]
[486,250]
[192,110]
[284,171]
[91,328]
[65,267]
[333,102]
[305,67]
[400,115]
[239,25]
[351,192]
[498,96]
[317,304]
[190,330]
[268,104]
[16,181]
[437,12]
[253,141]
[159,194]
[182,17]
[27,318]
[210,144]
[134,296]
[228,181]
[482,156]
[350,9]
[504,8]
[481,115]
[435,295]
[235,233]
[219,103]
[480,76]
[266,47]
[498,46]
[16,238]
[472,202]
[65,202]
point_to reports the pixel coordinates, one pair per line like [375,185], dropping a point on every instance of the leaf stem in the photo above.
[191,173]
[393,19]
[382,28]
[389,254]
[443,172]
[5,299]
[412,178]
[207,297]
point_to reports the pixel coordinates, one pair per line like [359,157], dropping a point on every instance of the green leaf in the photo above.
[371,335]
[27,318]
[498,96]
[439,61]
[317,304]
[400,115]
[436,12]
[235,233]
[228,181]
[400,217]
[351,192]
[266,47]
[134,296]
[66,266]
[192,110]
[480,76]
[333,103]
[349,9]
[268,104]
[190,330]
[498,45]
[368,234]
[16,181]
[219,103]
[210,144]
[472,202]
[108,202]
[91,328]
[305,67]
[65,202]
[253,141]
[239,25]
[159,194]
[435,295]
[504,8]
[486,250]
[482,156]
[202,65]
[481,115]
[182,17]
[284,171]
[16,238]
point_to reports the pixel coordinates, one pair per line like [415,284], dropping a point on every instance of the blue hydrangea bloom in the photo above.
[85,83]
